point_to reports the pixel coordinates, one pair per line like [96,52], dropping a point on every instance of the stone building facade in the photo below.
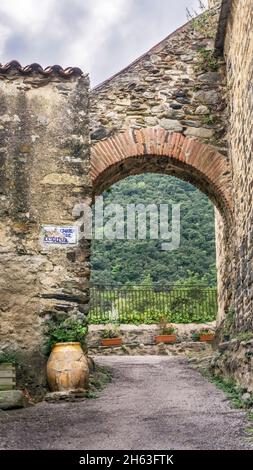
[184,109]
[177,88]
[239,59]
[238,48]
[44,157]
[236,356]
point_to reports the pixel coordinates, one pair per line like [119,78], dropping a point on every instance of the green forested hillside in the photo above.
[134,261]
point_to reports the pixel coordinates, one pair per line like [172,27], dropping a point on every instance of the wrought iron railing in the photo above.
[145,304]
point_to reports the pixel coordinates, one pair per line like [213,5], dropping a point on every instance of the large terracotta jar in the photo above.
[67,368]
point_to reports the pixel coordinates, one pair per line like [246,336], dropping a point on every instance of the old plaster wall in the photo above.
[44,156]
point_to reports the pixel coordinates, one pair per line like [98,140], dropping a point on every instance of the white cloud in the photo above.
[4,34]
[102,18]
[27,13]
[100,36]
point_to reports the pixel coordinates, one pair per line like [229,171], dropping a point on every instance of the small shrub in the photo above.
[202,25]
[69,330]
[244,336]
[229,387]
[91,395]
[112,332]
[195,336]
[208,120]
[9,357]
[206,331]
[165,327]
[189,301]
[207,62]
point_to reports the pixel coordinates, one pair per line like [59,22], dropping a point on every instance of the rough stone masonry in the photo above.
[185,109]
[44,157]
[235,358]
[177,87]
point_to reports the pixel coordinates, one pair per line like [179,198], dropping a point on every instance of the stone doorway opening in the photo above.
[134,283]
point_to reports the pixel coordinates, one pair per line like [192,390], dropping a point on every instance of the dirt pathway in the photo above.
[152,403]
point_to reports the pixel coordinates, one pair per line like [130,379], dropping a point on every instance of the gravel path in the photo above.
[153,402]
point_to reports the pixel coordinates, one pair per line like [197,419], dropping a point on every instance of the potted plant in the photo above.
[195,336]
[67,366]
[111,337]
[206,335]
[166,332]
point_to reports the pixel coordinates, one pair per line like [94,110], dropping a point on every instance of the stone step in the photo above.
[10,399]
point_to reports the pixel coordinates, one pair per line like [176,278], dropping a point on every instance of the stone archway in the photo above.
[159,151]
[156,150]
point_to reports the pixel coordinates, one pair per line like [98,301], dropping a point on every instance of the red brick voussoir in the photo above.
[159,151]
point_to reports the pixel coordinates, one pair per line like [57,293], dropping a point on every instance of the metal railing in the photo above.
[145,304]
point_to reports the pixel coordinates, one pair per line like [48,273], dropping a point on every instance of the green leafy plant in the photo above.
[8,357]
[206,61]
[69,330]
[208,119]
[202,24]
[99,378]
[191,300]
[90,394]
[250,416]
[230,388]
[196,88]
[111,332]
[195,336]
[127,262]
[244,336]
[206,331]
[165,327]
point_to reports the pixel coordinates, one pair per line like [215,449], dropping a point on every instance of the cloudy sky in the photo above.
[100,36]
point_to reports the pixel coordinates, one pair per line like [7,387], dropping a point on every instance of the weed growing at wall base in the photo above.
[9,357]
[230,388]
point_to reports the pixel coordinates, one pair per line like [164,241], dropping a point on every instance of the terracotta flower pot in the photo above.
[207,337]
[111,341]
[165,339]
[67,368]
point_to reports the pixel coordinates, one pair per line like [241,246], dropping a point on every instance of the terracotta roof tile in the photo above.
[14,65]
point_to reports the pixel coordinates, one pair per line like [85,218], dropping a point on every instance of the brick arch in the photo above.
[159,151]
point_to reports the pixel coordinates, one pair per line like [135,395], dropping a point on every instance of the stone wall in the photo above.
[238,55]
[44,158]
[170,153]
[239,59]
[144,334]
[178,86]
[234,358]
[140,340]
[178,90]
[225,265]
